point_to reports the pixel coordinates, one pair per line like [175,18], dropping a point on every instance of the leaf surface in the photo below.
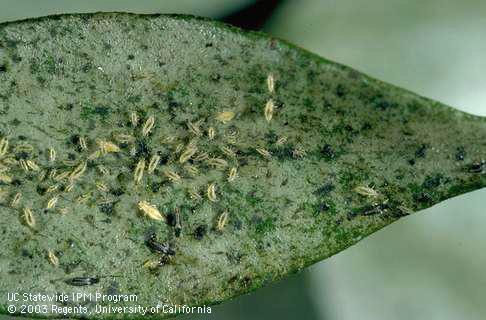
[232,158]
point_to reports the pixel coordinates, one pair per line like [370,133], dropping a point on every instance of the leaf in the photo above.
[255,157]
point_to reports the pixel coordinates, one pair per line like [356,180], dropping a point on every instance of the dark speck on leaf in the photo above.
[26,253]
[460,154]
[107,208]
[340,90]
[328,152]
[21,155]
[164,158]
[117,192]
[122,177]
[74,140]
[171,219]
[102,111]
[131,57]
[70,243]
[16,183]
[173,105]
[421,151]
[41,190]
[86,67]
[326,104]
[200,232]
[432,182]
[143,150]
[16,58]
[324,190]
[155,186]
[237,223]
[215,77]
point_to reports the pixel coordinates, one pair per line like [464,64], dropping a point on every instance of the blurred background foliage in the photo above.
[426,266]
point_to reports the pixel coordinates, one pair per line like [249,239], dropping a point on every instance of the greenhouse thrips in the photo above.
[155,246]
[82,281]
